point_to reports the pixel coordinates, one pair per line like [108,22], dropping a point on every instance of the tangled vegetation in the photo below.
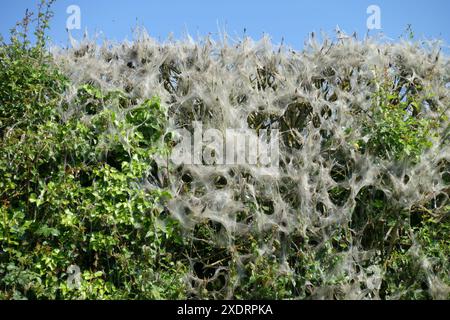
[359,208]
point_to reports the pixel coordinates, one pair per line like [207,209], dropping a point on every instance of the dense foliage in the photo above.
[71,192]
[360,208]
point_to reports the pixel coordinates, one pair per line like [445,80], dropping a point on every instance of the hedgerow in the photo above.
[72,190]
[358,209]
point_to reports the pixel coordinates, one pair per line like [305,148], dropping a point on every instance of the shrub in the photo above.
[73,189]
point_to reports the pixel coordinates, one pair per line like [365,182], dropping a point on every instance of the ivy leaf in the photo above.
[47,231]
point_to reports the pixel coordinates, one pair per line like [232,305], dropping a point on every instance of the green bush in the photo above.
[395,128]
[71,187]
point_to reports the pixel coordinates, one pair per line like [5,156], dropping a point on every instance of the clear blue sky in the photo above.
[290,19]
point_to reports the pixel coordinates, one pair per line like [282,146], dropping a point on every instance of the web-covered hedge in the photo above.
[359,207]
